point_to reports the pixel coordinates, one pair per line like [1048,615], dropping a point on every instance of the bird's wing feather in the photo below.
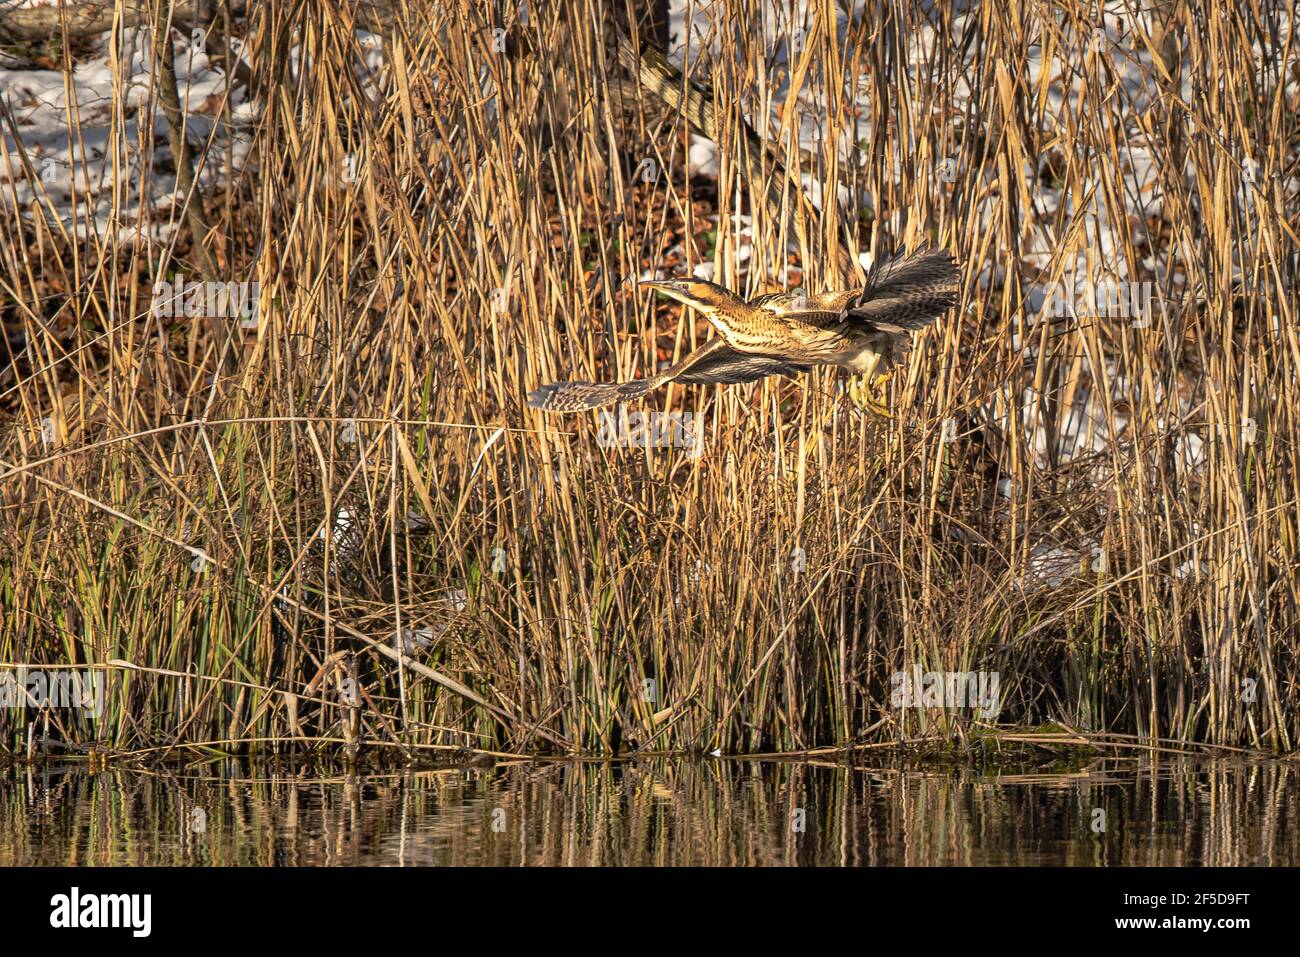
[831,301]
[817,310]
[908,292]
[727,366]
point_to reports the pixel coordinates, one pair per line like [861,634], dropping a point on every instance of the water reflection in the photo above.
[661,812]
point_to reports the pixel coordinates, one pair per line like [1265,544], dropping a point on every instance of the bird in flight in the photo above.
[865,331]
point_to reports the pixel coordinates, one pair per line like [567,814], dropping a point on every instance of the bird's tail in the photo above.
[909,292]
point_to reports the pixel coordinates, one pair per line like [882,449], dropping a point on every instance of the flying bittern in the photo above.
[865,331]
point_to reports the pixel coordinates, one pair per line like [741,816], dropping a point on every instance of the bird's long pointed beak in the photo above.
[675,289]
[665,286]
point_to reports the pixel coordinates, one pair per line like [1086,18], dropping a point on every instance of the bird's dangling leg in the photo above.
[867,393]
[866,388]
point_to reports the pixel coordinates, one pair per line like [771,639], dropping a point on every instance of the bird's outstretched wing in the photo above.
[908,292]
[713,363]
[726,366]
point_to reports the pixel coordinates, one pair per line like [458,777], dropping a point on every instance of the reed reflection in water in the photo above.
[715,812]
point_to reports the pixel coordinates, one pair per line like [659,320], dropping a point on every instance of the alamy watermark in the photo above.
[649,430]
[1101,300]
[128,911]
[179,298]
[57,688]
[947,689]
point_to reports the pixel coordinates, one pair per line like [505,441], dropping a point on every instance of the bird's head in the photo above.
[708,297]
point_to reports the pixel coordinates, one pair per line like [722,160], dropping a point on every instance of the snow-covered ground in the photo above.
[100,130]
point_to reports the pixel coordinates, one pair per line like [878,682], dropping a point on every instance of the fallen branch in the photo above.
[88,19]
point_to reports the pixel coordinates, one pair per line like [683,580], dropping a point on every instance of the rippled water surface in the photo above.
[717,812]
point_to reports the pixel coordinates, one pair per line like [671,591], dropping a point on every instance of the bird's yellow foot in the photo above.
[867,392]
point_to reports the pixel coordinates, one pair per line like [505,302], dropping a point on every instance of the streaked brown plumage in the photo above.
[865,331]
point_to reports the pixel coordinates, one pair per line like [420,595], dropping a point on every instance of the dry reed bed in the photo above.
[485,244]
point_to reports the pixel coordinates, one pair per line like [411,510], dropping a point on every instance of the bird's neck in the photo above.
[737,321]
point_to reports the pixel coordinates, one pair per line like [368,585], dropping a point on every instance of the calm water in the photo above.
[716,812]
